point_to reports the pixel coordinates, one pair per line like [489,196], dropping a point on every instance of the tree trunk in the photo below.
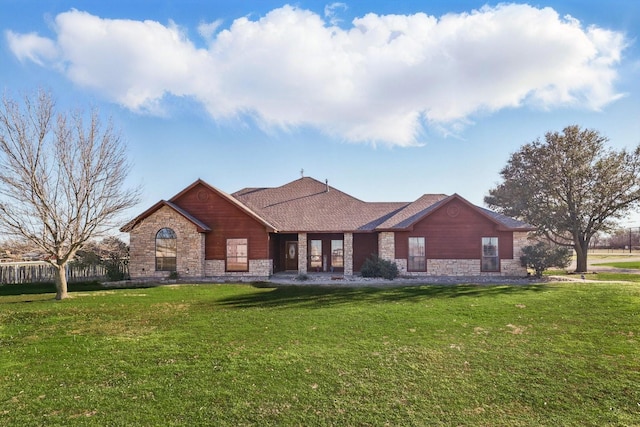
[61,282]
[581,256]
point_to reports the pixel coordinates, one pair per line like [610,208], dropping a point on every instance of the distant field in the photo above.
[559,354]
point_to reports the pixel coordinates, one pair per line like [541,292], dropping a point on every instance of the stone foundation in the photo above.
[462,267]
[258,268]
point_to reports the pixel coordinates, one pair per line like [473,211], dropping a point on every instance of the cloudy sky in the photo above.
[386,100]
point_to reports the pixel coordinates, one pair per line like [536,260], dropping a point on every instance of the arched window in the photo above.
[166,250]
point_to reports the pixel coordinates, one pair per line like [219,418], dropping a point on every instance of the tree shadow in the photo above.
[323,296]
[50,287]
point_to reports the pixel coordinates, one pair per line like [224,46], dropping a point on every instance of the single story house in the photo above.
[307,226]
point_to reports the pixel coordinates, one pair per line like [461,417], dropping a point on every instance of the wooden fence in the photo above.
[40,271]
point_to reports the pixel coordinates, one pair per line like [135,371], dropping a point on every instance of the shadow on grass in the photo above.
[50,288]
[322,296]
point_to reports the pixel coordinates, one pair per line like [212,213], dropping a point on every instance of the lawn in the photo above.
[632,265]
[232,355]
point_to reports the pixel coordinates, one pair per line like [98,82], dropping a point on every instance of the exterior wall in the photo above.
[387,245]
[453,236]
[226,220]
[258,268]
[142,246]
[509,267]
[455,231]
[462,267]
[364,245]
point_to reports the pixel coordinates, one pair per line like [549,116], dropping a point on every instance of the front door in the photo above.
[291,256]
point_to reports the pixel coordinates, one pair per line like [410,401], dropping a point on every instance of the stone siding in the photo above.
[387,245]
[142,246]
[258,268]
[302,253]
[462,267]
[348,254]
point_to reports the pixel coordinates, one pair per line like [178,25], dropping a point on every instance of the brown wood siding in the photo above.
[455,237]
[364,245]
[227,221]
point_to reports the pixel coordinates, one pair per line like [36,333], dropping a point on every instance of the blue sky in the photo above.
[386,100]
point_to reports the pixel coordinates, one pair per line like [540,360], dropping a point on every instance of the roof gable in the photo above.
[308,205]
[428,204]
[201,226]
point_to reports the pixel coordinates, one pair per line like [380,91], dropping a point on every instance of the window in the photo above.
[237,255]
[337,254]
[166,250]
[490,260]
[417,254]
[315,254]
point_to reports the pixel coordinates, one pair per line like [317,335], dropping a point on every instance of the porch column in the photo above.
[302,253]
[348,254]
[387,245]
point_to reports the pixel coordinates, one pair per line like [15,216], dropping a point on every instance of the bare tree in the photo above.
[62,178]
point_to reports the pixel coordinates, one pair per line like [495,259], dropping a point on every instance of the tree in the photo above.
[570,187]
[542,255]
[62,178]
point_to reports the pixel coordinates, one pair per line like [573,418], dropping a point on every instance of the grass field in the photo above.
[632,265]
[231,355]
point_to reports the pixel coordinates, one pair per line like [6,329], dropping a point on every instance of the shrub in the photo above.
[375,266]
[542,255]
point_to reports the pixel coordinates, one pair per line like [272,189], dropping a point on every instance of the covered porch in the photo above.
[306,253]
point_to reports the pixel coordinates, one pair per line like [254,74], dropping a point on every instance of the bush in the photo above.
[375,266]
[541,256]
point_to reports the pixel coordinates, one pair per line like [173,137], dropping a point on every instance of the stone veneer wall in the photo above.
[258,268]
[142,246]
[387,245]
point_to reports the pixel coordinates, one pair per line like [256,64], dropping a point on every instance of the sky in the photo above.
[385,100]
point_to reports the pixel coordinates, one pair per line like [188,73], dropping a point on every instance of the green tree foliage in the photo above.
[375,266]
[542,255]
[570,186]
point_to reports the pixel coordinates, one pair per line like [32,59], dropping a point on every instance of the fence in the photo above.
[41,271]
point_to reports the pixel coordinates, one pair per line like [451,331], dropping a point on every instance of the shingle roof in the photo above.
[310,205]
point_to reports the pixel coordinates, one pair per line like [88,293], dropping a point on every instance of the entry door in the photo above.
[291,256]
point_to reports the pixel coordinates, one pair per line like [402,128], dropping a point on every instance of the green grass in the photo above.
[600,277]
[632,265]
[232,355]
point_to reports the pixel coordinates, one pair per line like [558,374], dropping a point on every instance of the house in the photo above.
[308,226]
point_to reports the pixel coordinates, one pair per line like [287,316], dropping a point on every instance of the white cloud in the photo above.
[32,47]
[382,80]
[331,12]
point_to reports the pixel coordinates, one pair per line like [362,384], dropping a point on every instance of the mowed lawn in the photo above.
[559,354]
